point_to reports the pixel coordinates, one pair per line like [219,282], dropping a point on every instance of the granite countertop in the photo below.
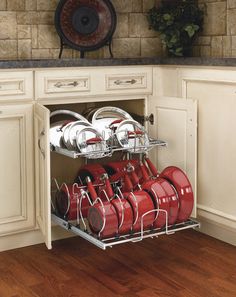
[194,61]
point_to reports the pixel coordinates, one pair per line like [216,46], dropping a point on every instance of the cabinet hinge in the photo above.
[143,119]
[149,118]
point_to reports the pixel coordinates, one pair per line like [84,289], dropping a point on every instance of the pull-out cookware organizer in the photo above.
[101,210]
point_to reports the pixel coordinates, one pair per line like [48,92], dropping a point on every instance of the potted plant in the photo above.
[178,22]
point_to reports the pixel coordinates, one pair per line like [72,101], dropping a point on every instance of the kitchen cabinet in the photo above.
[17,212]
[174,121]
[31,167]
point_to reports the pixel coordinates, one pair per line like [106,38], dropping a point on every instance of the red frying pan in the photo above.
[184,190]
[170,191]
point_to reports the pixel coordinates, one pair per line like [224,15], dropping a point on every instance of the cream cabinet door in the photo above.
[175,121]
[17,211]
[42,171]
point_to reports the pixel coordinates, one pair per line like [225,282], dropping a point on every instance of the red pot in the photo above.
[161,201]
[120,166]
[122,206]
[184,190]
[102,218]
[94,171]
[68,202]
[141,203]
[170,191]
[173,200]
[125,215]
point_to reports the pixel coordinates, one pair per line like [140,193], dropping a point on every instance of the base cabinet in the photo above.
[17,212]
[174,122]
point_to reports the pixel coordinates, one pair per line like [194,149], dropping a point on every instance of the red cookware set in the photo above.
[122,197]
[126,197]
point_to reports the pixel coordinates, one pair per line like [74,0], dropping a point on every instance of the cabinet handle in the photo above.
[66,85]
[125,82]
[42,133]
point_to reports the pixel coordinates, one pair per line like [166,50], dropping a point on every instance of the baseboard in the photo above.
[217,224]
[30,238]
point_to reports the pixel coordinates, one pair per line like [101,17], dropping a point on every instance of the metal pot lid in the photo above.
[85,24]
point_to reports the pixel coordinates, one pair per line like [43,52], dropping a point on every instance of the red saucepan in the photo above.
[94,171]
[184,190]
[68,202]
[142,206]
[170,191]
[123,208]
[102,217]
[160,198]
[120,166]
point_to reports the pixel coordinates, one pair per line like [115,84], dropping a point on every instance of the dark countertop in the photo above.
[54,63]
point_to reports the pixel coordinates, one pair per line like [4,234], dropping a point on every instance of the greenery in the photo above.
[178,22]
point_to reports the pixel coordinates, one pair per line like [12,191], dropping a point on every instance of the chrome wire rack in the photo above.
[111,149]
[135,237]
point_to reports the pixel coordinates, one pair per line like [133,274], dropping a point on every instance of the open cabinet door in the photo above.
[42,168]
[175,121]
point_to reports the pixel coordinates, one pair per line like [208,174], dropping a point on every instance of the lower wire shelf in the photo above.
[135,237]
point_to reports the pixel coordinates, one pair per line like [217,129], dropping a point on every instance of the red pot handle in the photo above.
[152,167]
[116,177]
[132,134]
[133,175]
[128,184]
[93,140]
[115,122]
[108,187]
[144,172]
[65,123]
[91,189]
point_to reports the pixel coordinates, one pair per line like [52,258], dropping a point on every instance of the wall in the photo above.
[219,35]
[27,30]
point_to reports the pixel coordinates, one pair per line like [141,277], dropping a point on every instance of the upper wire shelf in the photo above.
[108,152]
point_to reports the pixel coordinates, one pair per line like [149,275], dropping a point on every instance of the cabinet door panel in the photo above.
[176,123]
[16,175]
[42,169]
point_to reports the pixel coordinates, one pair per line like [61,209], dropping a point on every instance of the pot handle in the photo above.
[152,167]
[144,172]
[115,110]
[93,140]
[108,190]
[69,113]
[91,189]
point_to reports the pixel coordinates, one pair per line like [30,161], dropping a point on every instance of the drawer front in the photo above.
[16,85]
[64,83]
[129,80]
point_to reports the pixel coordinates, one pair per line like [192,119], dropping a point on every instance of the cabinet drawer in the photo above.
[16,85]
[131,80]
[64,83]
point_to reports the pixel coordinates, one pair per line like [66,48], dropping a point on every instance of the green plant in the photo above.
[178,23]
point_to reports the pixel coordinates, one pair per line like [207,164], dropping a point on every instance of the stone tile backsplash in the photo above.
[27,30]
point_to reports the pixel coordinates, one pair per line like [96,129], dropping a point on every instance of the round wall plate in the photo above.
[85,25]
